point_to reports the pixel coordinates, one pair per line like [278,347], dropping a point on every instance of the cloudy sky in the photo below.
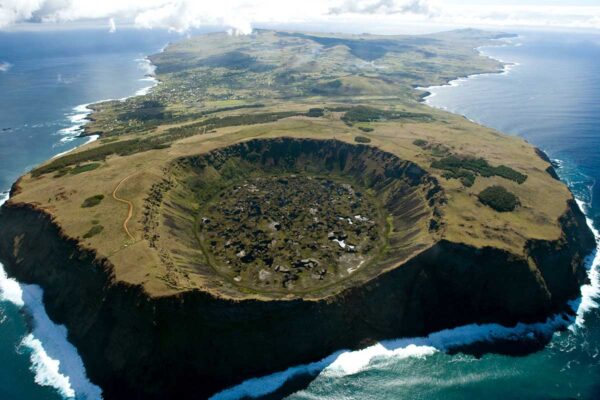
[242,16]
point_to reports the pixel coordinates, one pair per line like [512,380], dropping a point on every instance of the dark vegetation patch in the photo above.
[370,114]
[78,169]
[146,111]
[466,168]
[436,149]
[122,148]
[137,116]
[362,139]
[132,146]
[315,112]
[94,230]
[498,198]
[326,88]
[92,201]
[366,128]
[222,122]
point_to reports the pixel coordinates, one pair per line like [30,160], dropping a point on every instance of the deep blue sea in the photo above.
[551,97]
[46,78]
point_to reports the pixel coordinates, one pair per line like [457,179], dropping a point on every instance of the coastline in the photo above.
[347,362]
[83,112]
[55,362]
[507,67]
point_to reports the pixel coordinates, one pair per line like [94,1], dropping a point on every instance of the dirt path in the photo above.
[129,204]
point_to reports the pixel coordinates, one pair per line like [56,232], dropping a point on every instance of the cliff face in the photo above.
[192,345]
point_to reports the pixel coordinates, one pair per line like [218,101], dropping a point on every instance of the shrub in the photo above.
[94,230]
[315,112]
[420,143]
[458,166]
[366,129]
[84,168]
[498,198]
[362,139]
[92,201]
[368,114]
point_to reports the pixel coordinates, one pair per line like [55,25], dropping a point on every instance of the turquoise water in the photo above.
[552,98]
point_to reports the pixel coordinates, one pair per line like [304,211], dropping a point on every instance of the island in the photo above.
[280,196]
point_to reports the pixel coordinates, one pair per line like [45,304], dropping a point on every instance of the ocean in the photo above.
[550,96]
[46,79]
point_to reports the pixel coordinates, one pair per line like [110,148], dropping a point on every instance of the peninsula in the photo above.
[279,196]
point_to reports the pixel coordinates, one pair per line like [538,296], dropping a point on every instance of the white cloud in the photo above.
[241,15]
[12,11]
[112,27]
[383,7]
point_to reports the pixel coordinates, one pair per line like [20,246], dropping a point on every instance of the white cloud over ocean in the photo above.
[242,15]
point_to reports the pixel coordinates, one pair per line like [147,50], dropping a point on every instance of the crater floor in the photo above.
[290,231]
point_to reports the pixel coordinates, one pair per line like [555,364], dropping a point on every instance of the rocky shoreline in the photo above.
[135,346]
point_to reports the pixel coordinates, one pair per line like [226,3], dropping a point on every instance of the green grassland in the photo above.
[217,91]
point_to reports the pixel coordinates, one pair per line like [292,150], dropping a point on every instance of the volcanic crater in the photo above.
[292,216]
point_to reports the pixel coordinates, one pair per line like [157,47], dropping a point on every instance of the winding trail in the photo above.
[129,204]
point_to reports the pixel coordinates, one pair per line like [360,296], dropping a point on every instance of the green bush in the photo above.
[92,201]
[84,168]
[498,198]
[366,129]
[315,112]
[420,143]
[362,139]
[94,230]
[368,114]
[457,167]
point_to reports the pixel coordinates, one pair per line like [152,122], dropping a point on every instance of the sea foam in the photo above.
[54,361]
[149,69]
[47,342]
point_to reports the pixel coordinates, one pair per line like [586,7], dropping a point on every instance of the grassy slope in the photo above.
[287,72]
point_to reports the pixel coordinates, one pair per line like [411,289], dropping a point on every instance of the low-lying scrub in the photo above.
[369,114]
[498,198]
[362,139]
[315,112]
[92,201]
[466,167]
[94,230]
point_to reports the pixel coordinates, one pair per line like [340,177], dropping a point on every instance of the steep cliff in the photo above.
[191,345]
